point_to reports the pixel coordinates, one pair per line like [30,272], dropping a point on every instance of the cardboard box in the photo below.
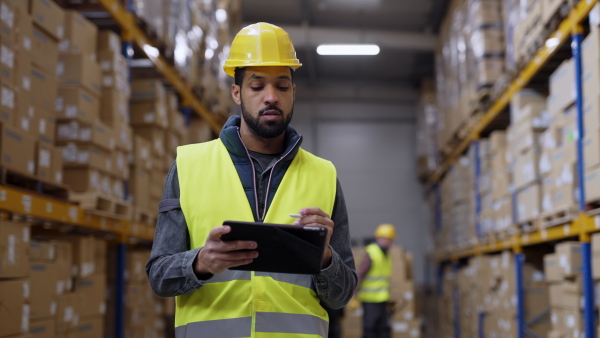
[142,153]
[80,70]
[44,51]
[83,255]
[41,251]
[43,328]
[591,113]
[49,16]
[139,187]
[43,280]
[116,82]
[592,184]
[84,156]
[95,134]
[569,258]
[100,254]
[121,165]
[8,32]
[562,88]
[64,263]
[529,203]
[44,89]
[552,269]
[149,114]
[78,104]
[80,35]
[156,190]
[18,150]
[14,311]
[14,258]
[23,71]
[88,327]
[109,40]
[124,135]
[49,164]
[7,104]
[113,63]
[45,126]
[148,90]
[67,312]
[526,168]
[114,108]
[93,290]
[155,135]
[86,180]
[591,149]
[7,64]
[24,29]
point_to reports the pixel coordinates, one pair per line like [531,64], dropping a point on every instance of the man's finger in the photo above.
[313,211]
[216,232]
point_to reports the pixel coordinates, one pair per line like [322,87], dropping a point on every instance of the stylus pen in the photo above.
[296,215]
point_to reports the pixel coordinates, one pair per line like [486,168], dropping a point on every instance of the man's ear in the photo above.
[235,94]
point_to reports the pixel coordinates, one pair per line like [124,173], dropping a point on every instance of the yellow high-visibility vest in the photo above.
[248,303]
[375,288]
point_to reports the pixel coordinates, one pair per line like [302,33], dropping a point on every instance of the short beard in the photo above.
[269,129]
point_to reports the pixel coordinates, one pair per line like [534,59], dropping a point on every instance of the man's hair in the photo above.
[240,72]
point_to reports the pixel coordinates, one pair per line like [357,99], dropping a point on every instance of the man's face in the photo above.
[385,242]
[266,98]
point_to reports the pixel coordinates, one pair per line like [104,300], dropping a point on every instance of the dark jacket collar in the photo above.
[230,137]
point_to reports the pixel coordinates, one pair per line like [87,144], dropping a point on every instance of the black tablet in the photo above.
[281,247]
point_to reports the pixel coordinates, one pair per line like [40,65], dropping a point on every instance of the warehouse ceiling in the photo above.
[404,30]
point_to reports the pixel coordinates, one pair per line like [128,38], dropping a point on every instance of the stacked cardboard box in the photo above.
[458,228]
[563,273]
[27,125]
[144,310]
[15,295]
[464,75]
[500,298]
[528,120]
[150,121]
[427,116]
[89,145]
[591,114]
[67,286]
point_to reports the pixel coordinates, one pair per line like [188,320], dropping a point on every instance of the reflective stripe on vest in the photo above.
[375,287]
[211,194]
[266,322]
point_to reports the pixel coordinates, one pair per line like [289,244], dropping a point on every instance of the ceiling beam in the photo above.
[310,37]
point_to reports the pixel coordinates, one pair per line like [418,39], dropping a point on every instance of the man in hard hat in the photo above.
[374,276]
[255,171]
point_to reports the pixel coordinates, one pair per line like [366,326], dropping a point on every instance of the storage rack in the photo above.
[582,227]
[35,206]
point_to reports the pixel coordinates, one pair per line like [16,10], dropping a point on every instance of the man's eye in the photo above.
[256,88]
[284,88]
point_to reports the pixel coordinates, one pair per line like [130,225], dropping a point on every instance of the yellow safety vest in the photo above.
[248,303]
[375,288]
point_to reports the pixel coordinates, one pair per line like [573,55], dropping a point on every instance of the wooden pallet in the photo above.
[529,226]
[34,184]
[559,217]
[102,204]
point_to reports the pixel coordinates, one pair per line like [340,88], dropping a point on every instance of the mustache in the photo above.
[270,107]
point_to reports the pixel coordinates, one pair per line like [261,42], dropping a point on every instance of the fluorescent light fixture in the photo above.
[339,49]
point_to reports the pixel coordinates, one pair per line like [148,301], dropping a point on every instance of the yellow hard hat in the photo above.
[385,230]
[261,44]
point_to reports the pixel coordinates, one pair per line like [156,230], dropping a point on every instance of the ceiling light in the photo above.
[339,49]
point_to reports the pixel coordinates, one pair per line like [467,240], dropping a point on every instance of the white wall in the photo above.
[372,145]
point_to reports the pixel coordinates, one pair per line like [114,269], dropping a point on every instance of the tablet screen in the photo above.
[281,247]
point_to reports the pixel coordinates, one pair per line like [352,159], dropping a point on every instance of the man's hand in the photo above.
[217,256]
[317,217]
